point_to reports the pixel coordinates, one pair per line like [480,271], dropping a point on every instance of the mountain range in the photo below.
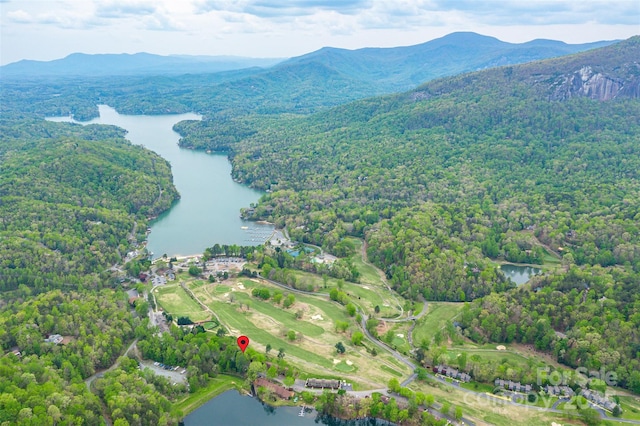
[81,64]
[382,69]
[401,68]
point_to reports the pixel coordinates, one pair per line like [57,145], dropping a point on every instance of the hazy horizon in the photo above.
[49,30]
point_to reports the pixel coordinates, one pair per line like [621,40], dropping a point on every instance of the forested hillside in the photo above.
[301,85]
[515,163]
[70,197]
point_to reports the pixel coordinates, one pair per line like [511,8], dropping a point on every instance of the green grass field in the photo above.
[220,289]
[438,313]
[390,370]
[630,407]
[284,316]
[344,367]
[490,355]
[174,300]
[264,322]
[215,387]
[231,317]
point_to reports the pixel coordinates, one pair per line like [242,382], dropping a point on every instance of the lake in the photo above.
[234,409]
[208,211]
[519,274]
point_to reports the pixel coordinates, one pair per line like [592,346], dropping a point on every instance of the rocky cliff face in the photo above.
[585,82]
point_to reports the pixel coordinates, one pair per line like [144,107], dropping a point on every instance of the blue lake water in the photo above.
[234,409]
[208,211]
[519,274]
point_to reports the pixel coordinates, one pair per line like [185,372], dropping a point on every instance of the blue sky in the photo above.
[51,29]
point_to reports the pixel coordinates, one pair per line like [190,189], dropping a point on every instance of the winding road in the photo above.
[409,363]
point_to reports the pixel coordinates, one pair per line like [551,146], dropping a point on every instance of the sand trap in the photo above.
[336,361]
[400,335]
[254,280]
[385,304]
[241,286]
[317,318]
[364,286]
[225,295]
[349,362]
[501,347]
[233,289]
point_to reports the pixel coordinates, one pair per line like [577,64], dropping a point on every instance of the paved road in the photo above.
[101,373]
[409,363]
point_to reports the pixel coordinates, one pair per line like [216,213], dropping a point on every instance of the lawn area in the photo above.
[550,259]
[438,313]
[231,317]
[218,288]
[417,307]
[215,387]
[490,355]
[478,387]
[390,370]
[174,300]
[344,367]
[630,407]
[368,273]
[284,316]
[265,324]
[488,410]
[365,295]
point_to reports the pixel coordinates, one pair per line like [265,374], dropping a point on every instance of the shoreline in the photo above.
[214,388]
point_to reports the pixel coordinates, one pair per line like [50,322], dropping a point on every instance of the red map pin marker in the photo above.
[243,342]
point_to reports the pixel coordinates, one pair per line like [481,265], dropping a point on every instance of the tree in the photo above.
[341,326]
[376,309]
[617,411]
[288,301]
[421,373]
[462,361]
[254,369]
[333,294]
[429,400]
[356,338]
[281,353]
[351,309]
[291,335]
[267,348]
[590,417]
[194,271]
[394,385]
[340,348]
[272,372]
[289,381]
[446,407]
[458,413]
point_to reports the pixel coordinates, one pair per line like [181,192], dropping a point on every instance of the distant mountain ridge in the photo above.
[391,69]
[325,78]
[82,64]
[400,68]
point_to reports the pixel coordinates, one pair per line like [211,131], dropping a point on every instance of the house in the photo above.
[512,386]
[279,390]
[54,338]
[322,383]
[452,373]
[598,399]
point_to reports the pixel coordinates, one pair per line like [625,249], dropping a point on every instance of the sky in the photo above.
[52,29]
